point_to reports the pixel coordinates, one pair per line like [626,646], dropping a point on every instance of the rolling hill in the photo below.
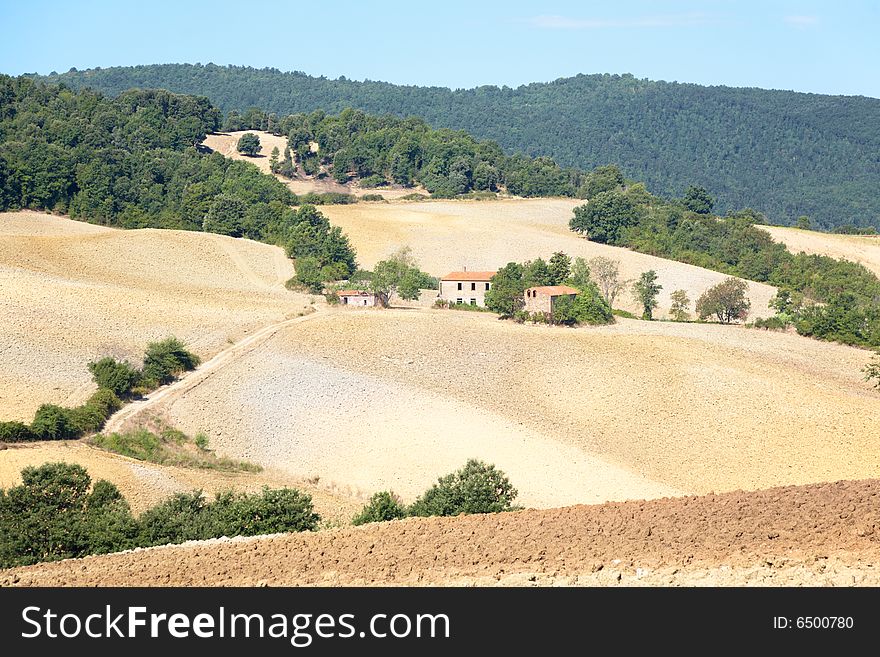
[783,153]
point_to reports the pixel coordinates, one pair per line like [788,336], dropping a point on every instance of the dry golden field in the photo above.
[485,235]
[862,249]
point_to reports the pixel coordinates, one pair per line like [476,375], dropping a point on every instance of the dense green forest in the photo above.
[134,161]
[822,297]
[785,153]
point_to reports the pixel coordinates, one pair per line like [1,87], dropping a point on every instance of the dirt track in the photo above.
[393,399]
[827,534]
[73,292]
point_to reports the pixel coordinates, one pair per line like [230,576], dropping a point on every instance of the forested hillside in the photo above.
[787,154]
[134,162]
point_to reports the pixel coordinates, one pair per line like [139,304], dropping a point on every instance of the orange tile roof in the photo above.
[555,290]
[469,276]
[354,293]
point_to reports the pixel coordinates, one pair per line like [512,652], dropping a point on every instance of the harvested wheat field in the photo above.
[858,248]
[146,484]
[824,534]
[71,292]
[393,399]
[485,235]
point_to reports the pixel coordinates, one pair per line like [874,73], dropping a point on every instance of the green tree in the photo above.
[726,300]
[560,268]
[680,305]
[399,275]
[580,273]
[53,422]
[226,216]
[606,216]
[505,295]
[476,488]
[601,179]
[804,223]
[382,507]
[309,274]
[249,144]
[645,290]
[697,199]
[274,165]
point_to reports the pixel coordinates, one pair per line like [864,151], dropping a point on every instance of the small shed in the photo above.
[356,298]
[541,299]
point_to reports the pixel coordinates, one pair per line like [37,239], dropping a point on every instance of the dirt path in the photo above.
[119,420]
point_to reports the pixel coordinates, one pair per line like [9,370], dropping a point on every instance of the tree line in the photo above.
[789,154]
[822,297]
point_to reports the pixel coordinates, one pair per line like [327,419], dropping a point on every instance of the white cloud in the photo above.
[555,22]
[802,21]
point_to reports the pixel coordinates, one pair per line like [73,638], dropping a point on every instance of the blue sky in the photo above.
[823,47]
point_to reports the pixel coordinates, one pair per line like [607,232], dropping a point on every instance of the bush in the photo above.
[374,180]
[775,323]
[415,196]
[166,359]
[16,432]
[53,422]
[327,198]
[118,376]
[372,197]
[272,511]
[381,507]
[189,517]
[90,417]
[476,488]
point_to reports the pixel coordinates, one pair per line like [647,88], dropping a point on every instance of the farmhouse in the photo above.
[466,287]
[356,298]
[541,299]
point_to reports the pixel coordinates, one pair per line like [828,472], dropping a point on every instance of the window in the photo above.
[459,286]
[344,300]
[473,302]
[473,286]
[458,301]
[487,286]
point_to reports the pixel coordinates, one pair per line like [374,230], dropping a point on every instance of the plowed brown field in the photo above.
[825,534]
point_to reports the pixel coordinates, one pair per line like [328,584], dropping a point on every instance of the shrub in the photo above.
[373,197]
[118,376]
[179,518]
[16,432]
[381,507]
[872,371]
[271,511]
[476,488]
[374,180]
[775,323]
[415,196]
[164,360]
[90,417]
[53,422]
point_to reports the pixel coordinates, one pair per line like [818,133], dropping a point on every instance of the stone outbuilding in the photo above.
[468,287]
[541,299]
[356,298]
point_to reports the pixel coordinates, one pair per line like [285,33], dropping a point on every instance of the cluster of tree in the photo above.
[116,380]
[840,299]
[133,162]
[506,295]
[476,488]
[789,153]
[378,150]
[56,513]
